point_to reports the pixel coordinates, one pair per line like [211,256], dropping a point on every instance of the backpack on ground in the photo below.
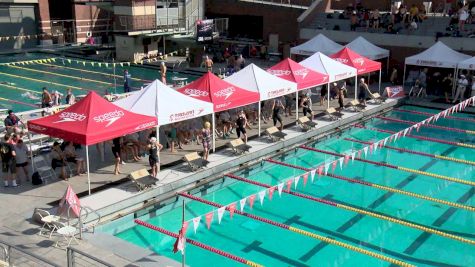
[36,179]
[4,150]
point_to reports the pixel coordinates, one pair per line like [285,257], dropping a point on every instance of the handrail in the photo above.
[8,259]
[70,254]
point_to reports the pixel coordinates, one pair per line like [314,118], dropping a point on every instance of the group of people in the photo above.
[49,100]
[14,154]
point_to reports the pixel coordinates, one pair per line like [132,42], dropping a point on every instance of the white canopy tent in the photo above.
[335,70]
[319,43]
[267,85]
[438,55]
[468,64]
[363,47]
[164,103]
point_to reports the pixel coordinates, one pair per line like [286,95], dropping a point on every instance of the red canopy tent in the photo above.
[294,72]
[222,94]
[362,64]
[90,121]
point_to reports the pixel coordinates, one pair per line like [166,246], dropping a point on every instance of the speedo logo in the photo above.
[70,117]
[359,61]
[109,117]
[195,92]
[280,72]
[226,92]
[301,72]
[341,60]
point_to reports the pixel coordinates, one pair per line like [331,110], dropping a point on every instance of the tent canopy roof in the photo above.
[294,72]
[319,43]
[468,64]
[91,120]
[334,69]
[352,59]
[222,94]
[438,55]
[164,103]
[363,47]
[256,79]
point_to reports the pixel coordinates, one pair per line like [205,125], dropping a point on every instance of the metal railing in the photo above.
[77,258]
[15,256]
[301,4]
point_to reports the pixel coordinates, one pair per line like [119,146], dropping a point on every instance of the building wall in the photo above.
[91,20]
[134,15]
[381,5]
[131,48]
[15,20]
[280,20]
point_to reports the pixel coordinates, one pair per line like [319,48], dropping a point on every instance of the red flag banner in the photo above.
[251,200]
[232,208]
[320,170]
[271,192]
[209,219]
[333,166]
[289,184]
[305,177]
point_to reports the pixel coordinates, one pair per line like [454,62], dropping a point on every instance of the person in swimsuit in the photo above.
[240,126]
[306,106]
[163,72]
[209,64]
[206,135]
[363,88]
[116,143]
[323,94]
[153,158]
[276,107]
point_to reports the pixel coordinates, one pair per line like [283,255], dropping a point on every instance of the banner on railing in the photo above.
[204,30]
[395,91]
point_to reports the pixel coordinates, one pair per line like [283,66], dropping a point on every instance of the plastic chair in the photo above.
[43,168]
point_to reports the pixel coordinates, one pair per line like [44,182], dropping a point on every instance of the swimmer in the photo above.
[7,83]
[30,96]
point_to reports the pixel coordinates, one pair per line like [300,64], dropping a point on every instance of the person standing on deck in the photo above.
[163,72]
[127,78]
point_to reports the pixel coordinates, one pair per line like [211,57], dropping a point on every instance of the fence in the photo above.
[14,256]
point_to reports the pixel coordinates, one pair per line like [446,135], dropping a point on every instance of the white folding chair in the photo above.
[68,232]
[43,168]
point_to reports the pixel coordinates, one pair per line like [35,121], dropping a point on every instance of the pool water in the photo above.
[273,246]
[60,75]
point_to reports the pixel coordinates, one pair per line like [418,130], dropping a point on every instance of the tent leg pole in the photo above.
[387,67]
[296,108]
[328,95]
[379,87]
[356,86]
[404,77]
[214,133]
[454,83]
[31,153]
[158,150]
[259,121]
[88,174]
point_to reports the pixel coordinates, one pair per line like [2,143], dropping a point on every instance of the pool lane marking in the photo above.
[436,140]
[95,72]
[62,75]
[41,81]
[199,244]
[19,88]
[416,152]
[431,114]
[302,232]
[445,128]
[434,175]
[18,102]
[379,216]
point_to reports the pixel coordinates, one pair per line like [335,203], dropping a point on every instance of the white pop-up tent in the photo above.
[468,64]
[319,43]
[438,55]
[335,70]
[269,86]
[363,47]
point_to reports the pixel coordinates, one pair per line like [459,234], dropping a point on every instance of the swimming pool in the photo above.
[20,85]
[379,208]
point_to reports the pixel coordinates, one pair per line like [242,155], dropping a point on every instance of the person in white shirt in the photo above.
[21,159]
[462,84]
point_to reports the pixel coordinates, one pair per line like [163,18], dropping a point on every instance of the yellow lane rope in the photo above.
[438,176]
[350,247]
[455,159]
[42,81]
[61,75]
[19,88]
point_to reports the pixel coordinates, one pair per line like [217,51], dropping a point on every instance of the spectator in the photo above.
[240,63]
[56,98]
[240,126]
[413,12]
[423,78]
[116,151]
[323,94]
[448,7]
[12,123]
[353,21]
[462,84]
[447,84]
[153,151]
[341,95]
[225,119]
[206,139]
[363,89]
[127,78]
[163,72]
[289,104]
[277,106]
[58,160]
[463,16]
[306,107]
[375,16]
[8,154]
[70,98]
[21,157]
[393,78]
[72,156]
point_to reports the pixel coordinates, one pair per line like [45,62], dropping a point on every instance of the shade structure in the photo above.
[365,48]
[361,64]
[319,43]
[220,93]
[164,103]
[334,69]
[438,55]
[258,80]
[292,71]
[468,64]
[91,120]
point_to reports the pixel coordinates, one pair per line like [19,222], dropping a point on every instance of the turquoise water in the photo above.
[273,246]
[15,81]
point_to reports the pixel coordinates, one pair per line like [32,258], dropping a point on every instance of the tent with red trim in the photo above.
[222,94]
[292,71]
[360,63]
[90,121]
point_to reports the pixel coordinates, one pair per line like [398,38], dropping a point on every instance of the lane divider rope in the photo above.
[388,218]
[302,232]
[18,102]
[416,152]
[436,140]
[19,88]
[431,114]
[199,244]
[445,128]
[434,175]
[41,81]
